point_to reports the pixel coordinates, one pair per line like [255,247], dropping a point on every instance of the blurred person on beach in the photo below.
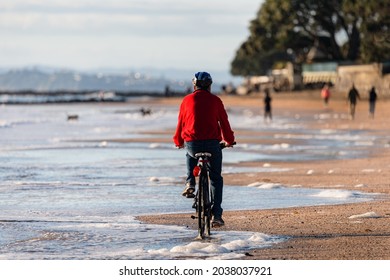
[325,95]
[353,96]
[372,97]
[267,105]
[202,124]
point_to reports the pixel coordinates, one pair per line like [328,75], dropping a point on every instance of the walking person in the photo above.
[267,105]
[353,96]
[325,94]
[372,101]
[202,124]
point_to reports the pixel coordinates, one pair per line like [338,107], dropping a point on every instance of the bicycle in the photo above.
[203,201]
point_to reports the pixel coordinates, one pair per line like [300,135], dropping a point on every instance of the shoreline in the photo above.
[331,232]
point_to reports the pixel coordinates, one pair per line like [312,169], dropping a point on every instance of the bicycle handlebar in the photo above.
[223,145]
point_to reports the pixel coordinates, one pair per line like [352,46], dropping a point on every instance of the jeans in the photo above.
[215,169]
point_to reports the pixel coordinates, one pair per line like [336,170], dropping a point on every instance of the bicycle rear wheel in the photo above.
[203,206]
[207,206]
[199,211]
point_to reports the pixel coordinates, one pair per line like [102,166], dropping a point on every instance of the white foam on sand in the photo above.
[367,170]
[360,186]
[163,180]
[215,249]
[365,215]
[340,194]
[265,185]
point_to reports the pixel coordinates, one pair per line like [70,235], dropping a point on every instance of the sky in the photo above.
[91,34]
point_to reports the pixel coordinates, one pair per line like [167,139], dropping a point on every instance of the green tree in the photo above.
[374,27]
[342,30]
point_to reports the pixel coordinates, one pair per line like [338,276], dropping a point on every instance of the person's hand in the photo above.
[179,146]
[226,145]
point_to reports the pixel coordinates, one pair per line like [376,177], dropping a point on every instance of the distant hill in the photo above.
[43,79]
[40,80]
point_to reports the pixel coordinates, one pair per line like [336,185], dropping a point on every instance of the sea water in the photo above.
[72,189]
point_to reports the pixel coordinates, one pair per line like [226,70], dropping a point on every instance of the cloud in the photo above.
[89,33]
[146,17]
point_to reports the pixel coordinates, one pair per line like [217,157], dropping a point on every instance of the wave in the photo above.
[339,194]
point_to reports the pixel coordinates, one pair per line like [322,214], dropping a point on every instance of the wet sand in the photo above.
[317,232]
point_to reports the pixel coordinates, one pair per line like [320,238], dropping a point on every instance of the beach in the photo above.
[358,231]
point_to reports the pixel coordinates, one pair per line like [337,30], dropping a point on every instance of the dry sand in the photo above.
[317,232]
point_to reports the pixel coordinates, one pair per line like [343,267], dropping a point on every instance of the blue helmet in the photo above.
[202,80]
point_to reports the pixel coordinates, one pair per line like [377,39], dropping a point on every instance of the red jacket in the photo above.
[202,116]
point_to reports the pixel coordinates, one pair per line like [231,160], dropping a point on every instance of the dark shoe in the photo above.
[217,222]
[189,191]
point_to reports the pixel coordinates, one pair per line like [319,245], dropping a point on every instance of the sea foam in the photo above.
[340,194]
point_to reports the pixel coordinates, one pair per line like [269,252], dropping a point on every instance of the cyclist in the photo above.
[202,124]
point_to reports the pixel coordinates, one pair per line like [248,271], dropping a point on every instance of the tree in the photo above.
[343,30]
[374,26]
